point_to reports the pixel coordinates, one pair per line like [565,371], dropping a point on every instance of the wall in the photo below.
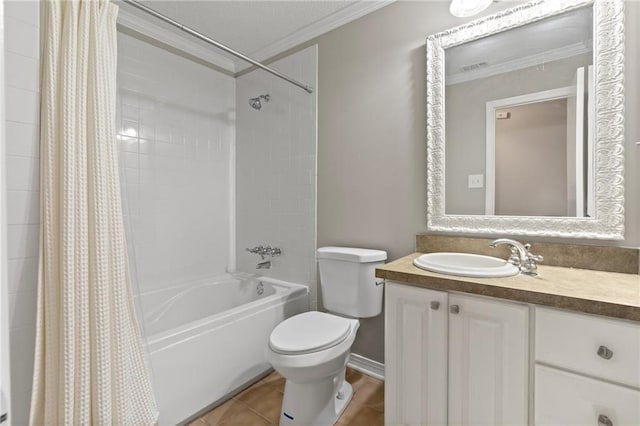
[22,61]
[371,134]
[532,139]
[276,170]
[466,148]
[176,133]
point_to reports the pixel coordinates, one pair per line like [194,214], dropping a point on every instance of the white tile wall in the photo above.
[176,134]
[22,52]
[276,170]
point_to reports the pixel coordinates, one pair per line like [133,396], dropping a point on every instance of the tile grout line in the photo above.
[252,410]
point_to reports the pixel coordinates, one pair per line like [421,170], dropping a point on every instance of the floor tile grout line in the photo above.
[253,410]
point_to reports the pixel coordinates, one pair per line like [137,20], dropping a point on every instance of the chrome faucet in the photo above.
[520,255]
[264,265]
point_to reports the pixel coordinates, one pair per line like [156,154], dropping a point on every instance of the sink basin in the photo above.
[466,265]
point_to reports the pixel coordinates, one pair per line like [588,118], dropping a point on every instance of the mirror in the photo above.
[532,140]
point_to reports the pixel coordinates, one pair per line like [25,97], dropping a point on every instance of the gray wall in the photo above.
[371,134]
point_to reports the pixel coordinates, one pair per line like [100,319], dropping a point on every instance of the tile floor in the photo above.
[260,404]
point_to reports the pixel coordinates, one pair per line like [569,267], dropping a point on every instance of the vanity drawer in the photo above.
[568,399]
[597,346]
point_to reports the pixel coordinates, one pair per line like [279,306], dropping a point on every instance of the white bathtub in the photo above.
[208,339]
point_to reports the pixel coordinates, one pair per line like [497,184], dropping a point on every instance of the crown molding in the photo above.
[520,63]
[184,44]
[343,16]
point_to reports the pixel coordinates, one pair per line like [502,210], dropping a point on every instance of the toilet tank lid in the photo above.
[352,254]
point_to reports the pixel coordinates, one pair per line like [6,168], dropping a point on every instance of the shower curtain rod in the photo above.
[217,44]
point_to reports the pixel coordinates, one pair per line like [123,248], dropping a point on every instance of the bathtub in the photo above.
[206,340]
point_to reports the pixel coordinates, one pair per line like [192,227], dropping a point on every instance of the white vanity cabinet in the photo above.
[587,369]
[454,359]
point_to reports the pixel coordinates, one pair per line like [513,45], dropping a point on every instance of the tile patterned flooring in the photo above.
[260,404]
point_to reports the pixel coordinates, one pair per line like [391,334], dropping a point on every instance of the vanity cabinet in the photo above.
[454,359]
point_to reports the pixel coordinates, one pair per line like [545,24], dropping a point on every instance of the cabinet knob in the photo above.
[435,305]
[604,420]
[454,309]
[605,352]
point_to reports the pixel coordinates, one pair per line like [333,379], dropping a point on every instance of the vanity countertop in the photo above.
[596,292]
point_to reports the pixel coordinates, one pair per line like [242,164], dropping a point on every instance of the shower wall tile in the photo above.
[21,38]
[276,170]
[22,341]
[22,140]
[23,207]
[22,69]
[25,12]
[22,274]
[176,139]
[21,72]
[22,241]
[22,312]
[22,105]
[23,173]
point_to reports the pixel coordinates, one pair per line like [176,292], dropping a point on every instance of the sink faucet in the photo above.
[520,255]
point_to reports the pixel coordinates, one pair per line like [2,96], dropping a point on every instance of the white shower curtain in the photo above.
[90,364]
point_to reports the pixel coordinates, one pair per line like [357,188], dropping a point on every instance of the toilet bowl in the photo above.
[311,350]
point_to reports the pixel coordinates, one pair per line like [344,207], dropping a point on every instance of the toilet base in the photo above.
[317,403]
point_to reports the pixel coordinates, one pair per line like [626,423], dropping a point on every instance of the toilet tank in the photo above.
[348,283]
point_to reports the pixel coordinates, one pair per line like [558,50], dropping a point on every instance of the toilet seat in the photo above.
[309,332]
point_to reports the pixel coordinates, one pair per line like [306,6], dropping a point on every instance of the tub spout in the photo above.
[264,265]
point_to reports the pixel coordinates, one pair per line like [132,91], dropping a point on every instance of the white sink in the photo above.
[466,265]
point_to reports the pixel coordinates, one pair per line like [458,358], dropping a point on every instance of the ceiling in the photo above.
[247,26]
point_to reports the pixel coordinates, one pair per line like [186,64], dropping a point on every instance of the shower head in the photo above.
[256,103]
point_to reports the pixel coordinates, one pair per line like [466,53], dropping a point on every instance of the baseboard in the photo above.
[367,366]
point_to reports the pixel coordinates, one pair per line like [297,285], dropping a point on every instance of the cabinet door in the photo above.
[415,356]
[488,362]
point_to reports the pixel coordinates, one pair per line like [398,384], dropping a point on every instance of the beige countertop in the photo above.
[603,293]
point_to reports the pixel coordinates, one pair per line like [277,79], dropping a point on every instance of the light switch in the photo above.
[476,181]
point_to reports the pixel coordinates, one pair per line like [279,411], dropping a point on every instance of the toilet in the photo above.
[311,349]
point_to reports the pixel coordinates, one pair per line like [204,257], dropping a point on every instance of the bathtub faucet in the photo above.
[265,251]
[264,265]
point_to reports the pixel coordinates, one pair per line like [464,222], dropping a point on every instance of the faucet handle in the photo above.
[534,257]
[514,258]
